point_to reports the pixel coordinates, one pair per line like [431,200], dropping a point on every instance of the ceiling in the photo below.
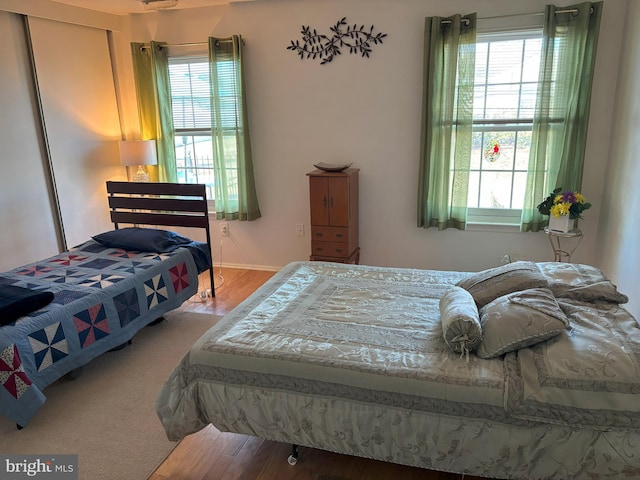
[124,7]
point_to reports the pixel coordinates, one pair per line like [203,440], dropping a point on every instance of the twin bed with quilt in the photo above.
[59,313]
[529,370]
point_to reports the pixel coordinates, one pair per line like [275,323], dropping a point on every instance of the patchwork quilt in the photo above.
[102,297]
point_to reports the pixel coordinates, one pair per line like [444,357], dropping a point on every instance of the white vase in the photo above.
[561,224]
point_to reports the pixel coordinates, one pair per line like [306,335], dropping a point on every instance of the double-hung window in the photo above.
[193,101]
[504,115]
[506,82]
[190,87]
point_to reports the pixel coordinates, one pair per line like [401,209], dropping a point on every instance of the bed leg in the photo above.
[121,346]
[19,427]
[157,321]
[293,458]
[73,374]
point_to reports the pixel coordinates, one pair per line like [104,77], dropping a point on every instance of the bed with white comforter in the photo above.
[352,359]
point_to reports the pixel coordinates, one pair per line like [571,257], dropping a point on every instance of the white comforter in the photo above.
[352,359]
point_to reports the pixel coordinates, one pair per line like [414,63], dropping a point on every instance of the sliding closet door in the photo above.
[75,79]
[27,231]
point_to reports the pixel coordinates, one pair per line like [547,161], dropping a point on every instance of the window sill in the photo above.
[492,227]
[493,220]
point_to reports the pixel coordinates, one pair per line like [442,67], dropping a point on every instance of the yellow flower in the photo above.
[580,198]
[557,199]
[560,209]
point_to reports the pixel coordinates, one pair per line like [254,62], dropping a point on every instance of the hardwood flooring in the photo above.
[214,455]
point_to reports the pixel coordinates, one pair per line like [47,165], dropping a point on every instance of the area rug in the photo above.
[107,416]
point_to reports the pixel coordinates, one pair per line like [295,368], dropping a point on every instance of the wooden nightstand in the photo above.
[334,216]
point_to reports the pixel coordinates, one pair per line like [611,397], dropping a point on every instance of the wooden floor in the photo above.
[213,455]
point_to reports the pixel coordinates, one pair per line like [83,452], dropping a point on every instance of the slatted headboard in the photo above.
[161,204]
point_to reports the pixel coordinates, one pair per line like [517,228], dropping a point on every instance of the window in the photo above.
[189,81]
[565,51]
[190,84]
[506,82]
[191,98]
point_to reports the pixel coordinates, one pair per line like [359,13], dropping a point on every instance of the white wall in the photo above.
[365,111]
[619,253]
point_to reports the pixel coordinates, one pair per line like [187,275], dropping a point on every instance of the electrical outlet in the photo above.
[300,229]
[224,229]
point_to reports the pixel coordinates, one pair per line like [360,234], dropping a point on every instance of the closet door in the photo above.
[75,78]
[27,230]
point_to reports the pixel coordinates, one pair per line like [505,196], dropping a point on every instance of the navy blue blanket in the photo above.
[16,302]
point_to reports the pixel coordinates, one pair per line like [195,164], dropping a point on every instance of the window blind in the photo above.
[191,92]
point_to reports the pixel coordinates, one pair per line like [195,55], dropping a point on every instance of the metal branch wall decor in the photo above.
[316,45]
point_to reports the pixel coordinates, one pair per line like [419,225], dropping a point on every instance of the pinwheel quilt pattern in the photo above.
[102,297]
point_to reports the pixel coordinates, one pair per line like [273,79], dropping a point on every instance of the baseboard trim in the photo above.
[265,268]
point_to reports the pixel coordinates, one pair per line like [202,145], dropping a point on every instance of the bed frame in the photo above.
[161,204]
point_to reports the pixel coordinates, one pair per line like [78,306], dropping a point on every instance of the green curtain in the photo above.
[235,190]
[447,114]
[151,73]
[561,118]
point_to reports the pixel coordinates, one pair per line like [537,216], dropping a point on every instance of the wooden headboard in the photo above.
[161,204]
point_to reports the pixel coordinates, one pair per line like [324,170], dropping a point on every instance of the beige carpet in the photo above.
[107,416]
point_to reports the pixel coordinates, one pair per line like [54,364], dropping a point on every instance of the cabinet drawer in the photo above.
[330,249]
[330,234]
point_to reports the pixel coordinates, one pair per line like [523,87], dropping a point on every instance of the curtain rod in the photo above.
[533,14]
[225,40]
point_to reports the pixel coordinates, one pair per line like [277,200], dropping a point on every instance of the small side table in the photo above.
[559,253]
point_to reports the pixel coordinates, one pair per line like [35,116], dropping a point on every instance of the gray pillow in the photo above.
[487,285]
[519,320]
[460,320]
[580,282]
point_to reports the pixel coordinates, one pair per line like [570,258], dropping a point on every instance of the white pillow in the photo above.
[460,320]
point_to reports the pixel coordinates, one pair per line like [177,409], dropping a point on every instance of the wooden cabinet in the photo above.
[334,216]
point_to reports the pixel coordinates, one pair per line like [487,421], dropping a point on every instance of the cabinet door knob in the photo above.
[324,202]
[319,234]
[339,250]
[338,235]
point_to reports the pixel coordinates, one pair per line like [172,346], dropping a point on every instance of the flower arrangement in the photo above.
[560,203]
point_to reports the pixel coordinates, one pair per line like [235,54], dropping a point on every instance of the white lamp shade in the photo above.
[138,152]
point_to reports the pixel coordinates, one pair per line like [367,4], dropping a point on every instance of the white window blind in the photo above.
[190,92]
[191,100]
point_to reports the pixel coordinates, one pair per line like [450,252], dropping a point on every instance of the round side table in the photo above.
[561,254]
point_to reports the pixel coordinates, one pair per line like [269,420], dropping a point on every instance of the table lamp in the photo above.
[140,153]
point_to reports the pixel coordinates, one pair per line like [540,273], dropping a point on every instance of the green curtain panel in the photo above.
[235,190]
[447,110]
[562,109]
[151,73]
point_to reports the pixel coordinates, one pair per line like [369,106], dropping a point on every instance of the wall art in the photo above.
[324,48]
